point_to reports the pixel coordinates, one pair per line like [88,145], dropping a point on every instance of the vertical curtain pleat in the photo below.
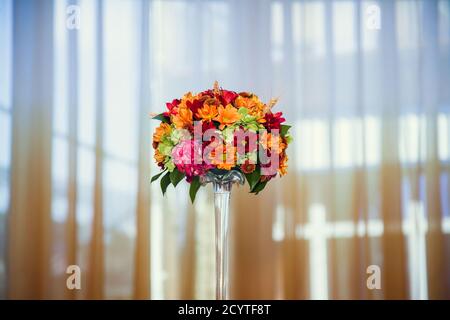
[359,206]
[393,245]
[142,248]
[330,184]
[96,269]
[430,69]
[71,223]
[291,272]
[29,269]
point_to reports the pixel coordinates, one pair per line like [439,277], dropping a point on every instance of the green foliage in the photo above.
[161,117]
[259,187]
[176,176]
[156,176]
[284,129]
[253,178]
[195,185]
[165,181]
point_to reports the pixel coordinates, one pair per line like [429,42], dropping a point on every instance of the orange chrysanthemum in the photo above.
[159,157]
[227,116]
[161,131]
[283,165]
[223,157]
[183,118]
[255,107]
[268,142]
[208,112]
[188,97]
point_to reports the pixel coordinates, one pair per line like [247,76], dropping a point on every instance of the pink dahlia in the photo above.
[187,156]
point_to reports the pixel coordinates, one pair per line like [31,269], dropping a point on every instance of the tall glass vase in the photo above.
[222,183]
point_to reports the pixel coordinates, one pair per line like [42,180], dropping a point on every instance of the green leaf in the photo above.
[176,176]
[161,117]
[288,138]
[165,181]
[195,185]
[259,187]
[253,177]
[284,129]
[156,176]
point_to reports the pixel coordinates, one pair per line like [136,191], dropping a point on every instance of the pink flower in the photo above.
[187,156]
[183,152]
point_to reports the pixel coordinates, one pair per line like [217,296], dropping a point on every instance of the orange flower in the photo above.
[255,107]
[183,118]
[225,166]
[248,167]
[283,165]
[188,97]
[159,157]
[246,101]
[223,157]
[227,116]
[160,131]
[268,142]
[208,112]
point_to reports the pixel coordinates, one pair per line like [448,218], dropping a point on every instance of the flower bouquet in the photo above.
[222,137]
[217,131]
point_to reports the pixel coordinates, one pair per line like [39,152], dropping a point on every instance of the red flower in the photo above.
[172,107]
[206,125]
[208,93]
[273,120]
[266,178]
[248,167]
[227,97]
[195,105]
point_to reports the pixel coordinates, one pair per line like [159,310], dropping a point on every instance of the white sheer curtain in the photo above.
[369,166]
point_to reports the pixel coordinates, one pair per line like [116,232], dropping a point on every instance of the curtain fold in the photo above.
[73,102]
[29,232]
[96,269]
[432,170]
[142,250]
[394,264]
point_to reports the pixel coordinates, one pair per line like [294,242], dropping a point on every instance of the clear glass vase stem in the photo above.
[222,192]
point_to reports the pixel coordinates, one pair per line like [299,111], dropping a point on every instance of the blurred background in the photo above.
[365,84]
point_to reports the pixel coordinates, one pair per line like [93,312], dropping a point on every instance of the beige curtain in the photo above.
[368,182]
